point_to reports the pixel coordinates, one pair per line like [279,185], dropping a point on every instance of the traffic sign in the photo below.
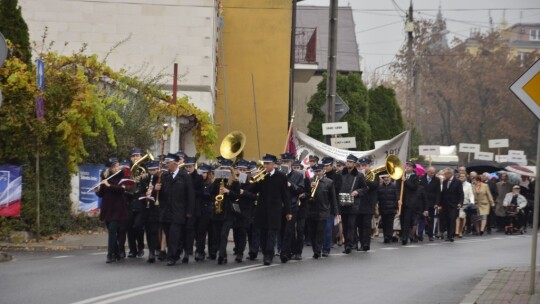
[499,143]
[469,148]
[483,155]
[527,88]
[340,108]
[40,74]
[40,107]
[429,150]
[343,142]
[333,128]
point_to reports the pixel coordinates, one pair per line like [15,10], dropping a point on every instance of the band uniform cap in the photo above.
[318,167]
[189,161]
[384,175]
[352,158]
[411,163]
[327,160]
[111,161]
[313,158]
[204,168]
[181,154]
[172,157]
[125,164]
[153,165]
[340,163]
[287,156]
[252,166]
[220,159]
[242,164]
[135,151]
[297,163]
[364,160]
[269,158]
[226,163]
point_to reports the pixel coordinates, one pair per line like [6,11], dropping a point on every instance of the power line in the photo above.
[378,27]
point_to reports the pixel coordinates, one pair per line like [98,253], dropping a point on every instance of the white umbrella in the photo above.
[520,170]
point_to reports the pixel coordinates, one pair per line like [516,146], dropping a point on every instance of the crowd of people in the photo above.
[277,207]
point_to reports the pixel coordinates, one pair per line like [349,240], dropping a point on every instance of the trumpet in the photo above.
[312,198]
[258,176]
[219,199]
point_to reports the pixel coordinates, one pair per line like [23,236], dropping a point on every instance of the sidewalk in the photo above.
[506,285]
[92,241]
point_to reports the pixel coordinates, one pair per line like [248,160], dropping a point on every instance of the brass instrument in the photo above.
[219,199]
[259,175]
[137,170]
[312,198]
[149,185]
[161,159]
[233,145]
[393,167]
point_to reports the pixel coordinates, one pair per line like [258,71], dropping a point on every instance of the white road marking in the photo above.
[130,293]
[411,246]
[433,244]
[389,248]
[62,256]
[98,253]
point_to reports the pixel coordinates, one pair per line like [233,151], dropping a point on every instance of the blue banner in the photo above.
[89,177]
[10,190]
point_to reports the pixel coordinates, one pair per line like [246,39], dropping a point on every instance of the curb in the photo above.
[480,288]
[5,257]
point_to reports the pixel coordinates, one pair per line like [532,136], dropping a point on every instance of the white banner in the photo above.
[498,143]
[429,150]
[501,158]
[516,152]
[398,145]
[469,148]
[483,156]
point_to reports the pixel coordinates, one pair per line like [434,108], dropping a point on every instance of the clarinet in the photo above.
[149,185]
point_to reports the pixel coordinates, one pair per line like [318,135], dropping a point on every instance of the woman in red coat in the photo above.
[113,206]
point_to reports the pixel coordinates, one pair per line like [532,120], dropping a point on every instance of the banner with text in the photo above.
[10,190]
[89,177]
[398,145]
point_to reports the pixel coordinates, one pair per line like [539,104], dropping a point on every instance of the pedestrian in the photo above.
[451,200]
[468,200]
[432,192]
[387,197]
[484,201]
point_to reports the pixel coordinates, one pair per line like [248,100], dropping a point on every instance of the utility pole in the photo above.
[332,63]
[293,59]
[411,82]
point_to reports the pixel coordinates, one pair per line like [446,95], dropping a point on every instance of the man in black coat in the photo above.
[330,172]
[151,213]
[196,225]
[135,231]
[177,203]
[409,202]
[303,199]
[295,185]
[273,202]
[432,192]
[320,207]
[368,201]
[451,201]
[387,197]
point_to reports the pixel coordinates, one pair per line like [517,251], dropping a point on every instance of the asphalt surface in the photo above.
[437,272]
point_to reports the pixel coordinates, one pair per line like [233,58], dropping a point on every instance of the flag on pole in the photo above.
[291,146]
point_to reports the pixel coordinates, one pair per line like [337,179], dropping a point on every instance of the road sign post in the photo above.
[527,89]
[333,128]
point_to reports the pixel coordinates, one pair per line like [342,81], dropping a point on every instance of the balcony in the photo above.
[305,53]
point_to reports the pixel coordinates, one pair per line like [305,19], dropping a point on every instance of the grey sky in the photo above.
[380,23]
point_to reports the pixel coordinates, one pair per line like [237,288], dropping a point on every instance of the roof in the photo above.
[348,59]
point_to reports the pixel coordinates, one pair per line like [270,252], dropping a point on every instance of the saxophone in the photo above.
[219,199]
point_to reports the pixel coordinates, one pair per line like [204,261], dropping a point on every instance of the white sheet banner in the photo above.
[398,145]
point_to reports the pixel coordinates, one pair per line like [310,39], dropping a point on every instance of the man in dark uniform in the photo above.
[320,206]
[368,201]
[273,202]
[354,184]
[409,181]
[135,232]
[253,233]
[151,214]
[194,222]
[432,192]
[177,202]
[246,203]
[301,215]
[295,185]
[330,172]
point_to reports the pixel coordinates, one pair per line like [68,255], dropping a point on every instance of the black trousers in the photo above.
[268,241]
[349,229]
[135,232]
[201,230]
[388,225]
[449,216]
[214,236]
[173,231]
[317,229]
[152,236]
[286,233]
[254,239]
[122,236]
[114,229]
[363,224]
[240,227]
[407,220]
[188,236]
[297,245]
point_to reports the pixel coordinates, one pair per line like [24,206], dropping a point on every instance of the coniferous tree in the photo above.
[15,29]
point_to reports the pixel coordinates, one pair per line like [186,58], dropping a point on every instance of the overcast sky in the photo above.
[380,24]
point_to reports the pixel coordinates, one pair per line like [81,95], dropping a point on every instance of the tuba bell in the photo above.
[137,170]
[392,166]
[233,145]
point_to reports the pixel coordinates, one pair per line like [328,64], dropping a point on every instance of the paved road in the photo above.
[436,272]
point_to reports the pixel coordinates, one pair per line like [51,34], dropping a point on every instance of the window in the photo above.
[534,35]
